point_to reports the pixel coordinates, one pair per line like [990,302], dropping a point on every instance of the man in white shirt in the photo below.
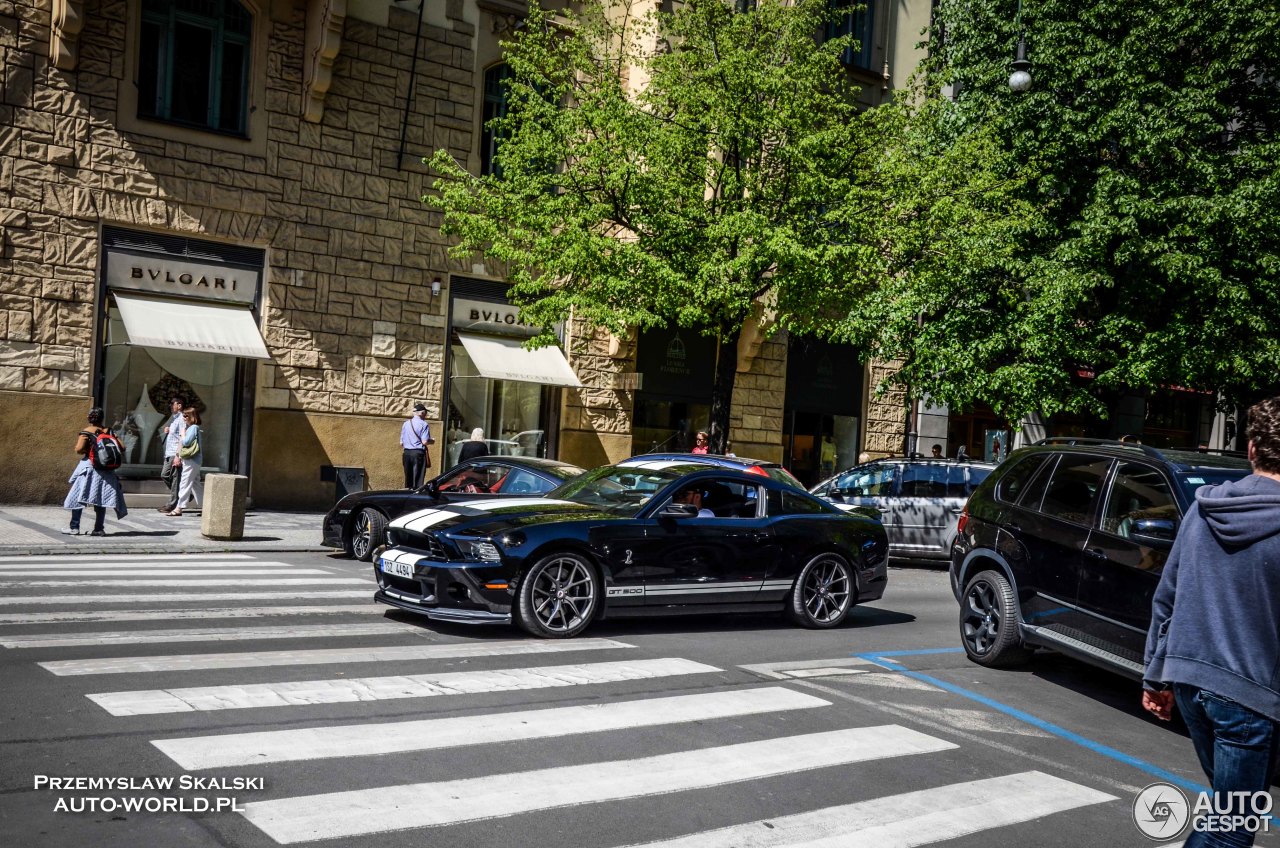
[172,433]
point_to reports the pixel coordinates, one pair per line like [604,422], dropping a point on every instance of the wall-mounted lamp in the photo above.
[435,287]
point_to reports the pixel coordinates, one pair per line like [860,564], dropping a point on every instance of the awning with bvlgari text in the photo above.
[191,325]
[502,358]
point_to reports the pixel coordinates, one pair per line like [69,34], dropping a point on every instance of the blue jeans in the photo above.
[1237,749]
[99,517]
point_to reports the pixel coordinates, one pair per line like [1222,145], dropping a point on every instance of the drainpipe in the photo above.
[413,76]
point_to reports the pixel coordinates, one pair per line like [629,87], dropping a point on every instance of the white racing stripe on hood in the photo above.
[423,519]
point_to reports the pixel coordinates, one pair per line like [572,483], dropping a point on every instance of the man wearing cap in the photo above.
[415,435]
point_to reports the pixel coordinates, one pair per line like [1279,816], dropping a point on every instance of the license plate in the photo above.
[399,569]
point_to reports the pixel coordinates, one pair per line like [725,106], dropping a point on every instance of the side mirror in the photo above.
[431,489]
[679,510]
[1154,532]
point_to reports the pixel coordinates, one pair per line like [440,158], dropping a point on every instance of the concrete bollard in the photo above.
[222,513]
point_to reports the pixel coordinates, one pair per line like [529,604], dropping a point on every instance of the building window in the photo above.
[495,106]
[193,63]
[860,23]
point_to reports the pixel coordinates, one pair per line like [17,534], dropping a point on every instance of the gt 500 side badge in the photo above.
[619,591]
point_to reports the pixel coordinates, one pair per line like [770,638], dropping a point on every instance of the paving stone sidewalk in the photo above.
[34,530]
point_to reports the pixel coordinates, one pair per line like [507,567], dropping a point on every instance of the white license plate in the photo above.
[399,569]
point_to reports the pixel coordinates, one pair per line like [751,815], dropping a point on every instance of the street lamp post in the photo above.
[1020,79]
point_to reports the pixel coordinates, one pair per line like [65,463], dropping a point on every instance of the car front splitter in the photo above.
[459,616]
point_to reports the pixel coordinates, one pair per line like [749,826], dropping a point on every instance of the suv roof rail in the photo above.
[1109,443]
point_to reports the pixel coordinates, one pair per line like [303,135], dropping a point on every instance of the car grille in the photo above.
[432,547]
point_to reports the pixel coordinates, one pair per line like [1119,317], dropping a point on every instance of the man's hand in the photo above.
[1159,704]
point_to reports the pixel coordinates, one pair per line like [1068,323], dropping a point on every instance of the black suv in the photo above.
[1062,548]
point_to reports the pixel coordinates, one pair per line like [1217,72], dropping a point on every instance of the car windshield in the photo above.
[616,489]
[1189,481]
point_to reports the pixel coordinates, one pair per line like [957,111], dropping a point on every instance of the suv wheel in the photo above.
[989,622]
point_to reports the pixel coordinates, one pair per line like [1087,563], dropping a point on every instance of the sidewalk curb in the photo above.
[73,550]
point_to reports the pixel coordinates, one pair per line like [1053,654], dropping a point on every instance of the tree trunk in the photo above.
[722,390]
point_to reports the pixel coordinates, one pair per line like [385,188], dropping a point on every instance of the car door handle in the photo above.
[1095,553]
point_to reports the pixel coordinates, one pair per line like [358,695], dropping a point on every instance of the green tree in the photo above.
[1142,248]
[685,168]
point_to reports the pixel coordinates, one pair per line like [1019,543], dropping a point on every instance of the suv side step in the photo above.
[1081,650]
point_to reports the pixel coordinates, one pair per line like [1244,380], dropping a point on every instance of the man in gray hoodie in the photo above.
[1214,643]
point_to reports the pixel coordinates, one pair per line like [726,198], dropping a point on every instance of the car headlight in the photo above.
[479,550]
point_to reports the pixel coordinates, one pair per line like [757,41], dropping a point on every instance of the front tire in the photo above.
[823,593]
[989,622]
[368,530]
[558,596]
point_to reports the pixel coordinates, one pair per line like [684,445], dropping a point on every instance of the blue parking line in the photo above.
[880,658]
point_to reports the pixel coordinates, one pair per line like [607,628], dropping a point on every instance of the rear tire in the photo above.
[558,596]
[989,622]
[367,532]
[823,593]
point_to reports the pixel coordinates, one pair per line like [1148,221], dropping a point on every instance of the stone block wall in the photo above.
[346,308]
[886,413]
[759,395]
[595,421]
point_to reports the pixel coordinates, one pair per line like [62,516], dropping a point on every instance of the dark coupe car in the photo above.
[641,541]
[358,522]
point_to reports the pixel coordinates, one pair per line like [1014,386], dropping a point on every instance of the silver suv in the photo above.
[919,500]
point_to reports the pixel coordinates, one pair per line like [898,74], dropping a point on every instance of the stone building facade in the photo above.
[108,188]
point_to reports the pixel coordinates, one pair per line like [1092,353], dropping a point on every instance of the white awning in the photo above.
[502,358]
[192,325]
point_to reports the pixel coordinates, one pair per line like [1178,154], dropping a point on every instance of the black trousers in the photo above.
[415,465]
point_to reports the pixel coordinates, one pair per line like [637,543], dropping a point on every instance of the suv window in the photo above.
[924,480]
[1015,480]
[873,480]
[1073,488]
[963,479]
[1138,491]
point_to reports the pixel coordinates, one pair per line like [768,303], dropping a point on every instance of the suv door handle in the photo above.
[1095,553]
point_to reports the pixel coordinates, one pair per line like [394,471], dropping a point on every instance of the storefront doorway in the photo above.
[675,403]
[178,319]
[821,433]
[495,385]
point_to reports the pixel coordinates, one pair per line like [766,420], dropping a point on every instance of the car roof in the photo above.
[700,459]
[1177,459]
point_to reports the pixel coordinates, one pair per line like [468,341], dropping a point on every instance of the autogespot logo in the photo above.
[1161,811]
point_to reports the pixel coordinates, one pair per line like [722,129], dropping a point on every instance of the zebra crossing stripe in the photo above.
[101,558]
[339,814]
[240,581]
[74,616]
[208,634]
[20,578]
[355,740]
[92,562]
[320,656]
[911,819]
[185,597]
[302,693]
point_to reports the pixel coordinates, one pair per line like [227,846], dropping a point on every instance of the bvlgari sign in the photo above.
[173,276]
[480,316]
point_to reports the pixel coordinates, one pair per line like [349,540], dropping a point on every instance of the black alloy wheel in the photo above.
[368,531]
[823,593]
[989,622]
[558,596]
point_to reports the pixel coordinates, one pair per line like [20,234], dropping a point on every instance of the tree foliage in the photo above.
[677,168]
[1135,208]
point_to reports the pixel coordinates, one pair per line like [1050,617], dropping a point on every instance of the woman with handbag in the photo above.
[189,457]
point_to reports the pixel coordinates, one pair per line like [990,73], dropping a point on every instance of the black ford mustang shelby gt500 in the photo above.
[627,540]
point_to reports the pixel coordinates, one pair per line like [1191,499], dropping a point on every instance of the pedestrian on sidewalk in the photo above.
[1213,647]
[474,447]
[191,453]
[415,435]
[91,485]
[171,470]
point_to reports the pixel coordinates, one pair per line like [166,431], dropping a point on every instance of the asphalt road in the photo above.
[353,726]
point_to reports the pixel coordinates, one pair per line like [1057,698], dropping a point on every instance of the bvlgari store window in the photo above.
[679,370]
[179,319]
[495,384]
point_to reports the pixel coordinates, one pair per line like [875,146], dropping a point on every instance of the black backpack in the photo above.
[105,450]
